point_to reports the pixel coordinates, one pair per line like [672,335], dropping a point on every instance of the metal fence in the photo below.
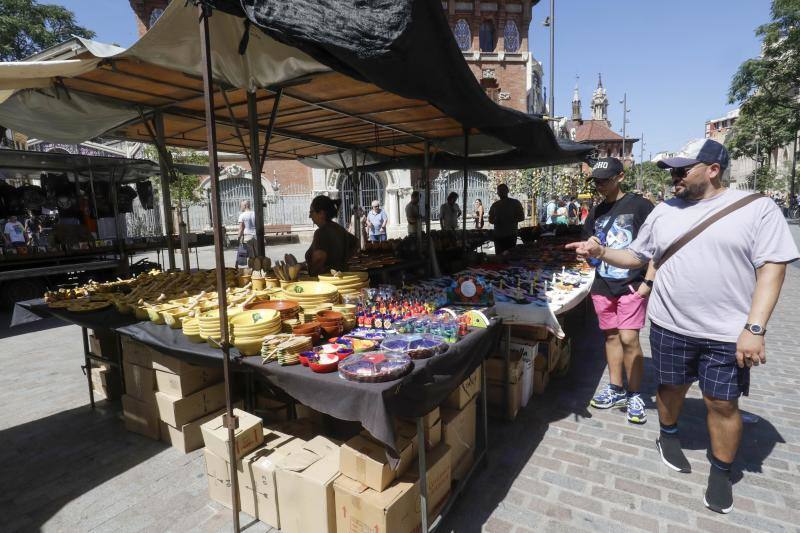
[478,187]
[285,205]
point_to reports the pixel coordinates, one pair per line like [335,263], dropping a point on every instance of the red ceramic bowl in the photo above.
[303,357]
[309,328]
[324,369]
[327,316]
[332,331]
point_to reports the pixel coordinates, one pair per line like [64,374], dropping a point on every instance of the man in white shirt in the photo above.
[14,232]
[710,304]
[247,232]
[412,213]
[376,222]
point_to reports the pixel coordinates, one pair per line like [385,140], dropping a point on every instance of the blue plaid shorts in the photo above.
[680,359]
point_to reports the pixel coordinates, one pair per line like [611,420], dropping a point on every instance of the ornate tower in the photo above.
[600,102]
[147,12]
[576,103]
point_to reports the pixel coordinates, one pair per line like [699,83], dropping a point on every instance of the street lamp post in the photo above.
[550,22]
[625,111]
[640,179]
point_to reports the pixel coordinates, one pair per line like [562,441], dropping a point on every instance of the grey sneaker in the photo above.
[608,398]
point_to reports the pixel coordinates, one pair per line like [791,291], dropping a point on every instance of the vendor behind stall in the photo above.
[505,214]
[332,245]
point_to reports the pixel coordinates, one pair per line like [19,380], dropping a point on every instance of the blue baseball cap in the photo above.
[700,151]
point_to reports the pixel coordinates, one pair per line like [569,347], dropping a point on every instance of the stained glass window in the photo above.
[463,35]
[511,36]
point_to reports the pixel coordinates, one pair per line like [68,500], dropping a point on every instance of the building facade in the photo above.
[743,168]
[597,129]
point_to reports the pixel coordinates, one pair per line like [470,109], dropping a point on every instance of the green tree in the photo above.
[654,180]
[27,27]
[767,87]
[185,187]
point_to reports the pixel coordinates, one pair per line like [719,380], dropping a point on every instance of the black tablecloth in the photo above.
[372,404]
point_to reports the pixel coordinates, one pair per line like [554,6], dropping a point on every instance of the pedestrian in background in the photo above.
[449,212]
[247,233]
[711,302]
[478,213]
[505,215]
[376,222]
[412,213]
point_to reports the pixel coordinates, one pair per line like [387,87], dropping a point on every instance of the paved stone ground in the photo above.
[558,467]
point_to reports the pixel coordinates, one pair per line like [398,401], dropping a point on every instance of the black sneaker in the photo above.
[671,454]
[719,494]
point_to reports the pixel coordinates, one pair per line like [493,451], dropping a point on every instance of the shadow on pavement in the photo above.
[46,463]
[511,444]
[7,331]
[758,439]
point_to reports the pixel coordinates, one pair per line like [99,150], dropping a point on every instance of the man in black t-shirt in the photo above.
[619,295]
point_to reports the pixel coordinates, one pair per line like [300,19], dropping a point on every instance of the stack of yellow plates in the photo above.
[209,323]
[174,316]
[191,328]
[310,293]
[256,323]
[347,282]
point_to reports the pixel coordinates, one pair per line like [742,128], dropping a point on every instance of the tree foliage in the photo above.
[186,187]
[654,180]
[27,27]
[767,87]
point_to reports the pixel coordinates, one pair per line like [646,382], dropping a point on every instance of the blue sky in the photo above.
[674,58]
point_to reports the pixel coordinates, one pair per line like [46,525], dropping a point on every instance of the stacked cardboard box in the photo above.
[519,378]
[395,508]
[139,401]
[187,397]
[432,423]
[465,392]
[105,382]
[458,433]
[248,436]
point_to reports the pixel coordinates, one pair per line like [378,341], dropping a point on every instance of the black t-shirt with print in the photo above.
[629,214]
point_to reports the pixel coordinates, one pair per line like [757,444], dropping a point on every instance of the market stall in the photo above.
[340,98]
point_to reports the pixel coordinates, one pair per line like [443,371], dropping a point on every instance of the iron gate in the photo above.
[371,189]
[478,187]
[232,191]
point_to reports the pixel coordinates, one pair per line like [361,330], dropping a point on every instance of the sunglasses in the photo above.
[681,172]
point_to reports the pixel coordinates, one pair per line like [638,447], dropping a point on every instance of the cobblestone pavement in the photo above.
[558,467]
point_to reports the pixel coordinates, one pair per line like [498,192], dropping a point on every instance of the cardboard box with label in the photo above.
[305,487]
[219,491]
[140,417]
[396,509]
[364,460]
[140,382]
[247,437]
[188,437]
[466,391]
[192,379]
[178,411]
[458,432]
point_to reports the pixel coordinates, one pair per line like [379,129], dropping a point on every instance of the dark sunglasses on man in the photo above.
[681,172]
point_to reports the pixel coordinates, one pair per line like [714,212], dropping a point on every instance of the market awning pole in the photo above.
[270,127]
[464,199]
[256,167]
[426,176]
[123,256]
[357,193]
[230,420]
[165,193]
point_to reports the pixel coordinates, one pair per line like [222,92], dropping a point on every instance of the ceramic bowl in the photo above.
[248,346]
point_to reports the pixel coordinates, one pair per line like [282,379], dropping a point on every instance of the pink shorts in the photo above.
[620,312]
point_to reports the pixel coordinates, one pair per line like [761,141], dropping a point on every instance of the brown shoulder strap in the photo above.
[702,226]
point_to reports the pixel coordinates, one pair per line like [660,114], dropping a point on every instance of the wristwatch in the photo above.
[755,329]
[648,282]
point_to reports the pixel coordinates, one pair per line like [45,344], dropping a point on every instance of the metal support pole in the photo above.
[123,258]
[423,475]
[219,235]
[426,176]
[792,185]
[356,181]
[464,199]
[552,103]
[88,363]
[624,123]
[165,193]
[256,166]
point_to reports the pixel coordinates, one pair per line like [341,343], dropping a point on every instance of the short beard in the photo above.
[694,191]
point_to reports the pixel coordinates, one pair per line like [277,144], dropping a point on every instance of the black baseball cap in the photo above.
[606,167]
